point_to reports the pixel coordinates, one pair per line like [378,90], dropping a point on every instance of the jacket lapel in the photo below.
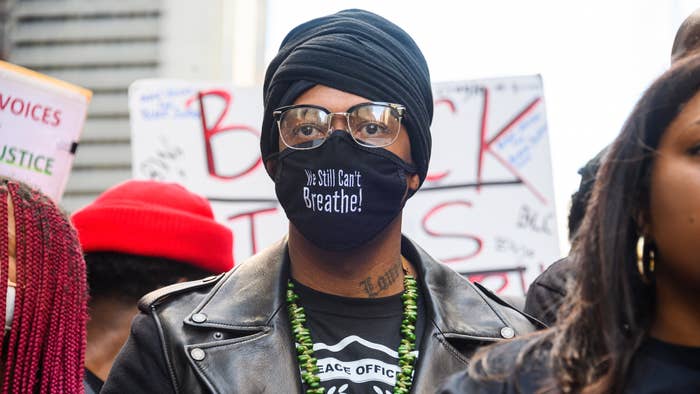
[460,318]
[248,306]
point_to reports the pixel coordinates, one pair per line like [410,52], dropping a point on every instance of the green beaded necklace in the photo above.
[305,348]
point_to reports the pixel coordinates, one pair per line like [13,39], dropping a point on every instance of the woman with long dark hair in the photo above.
[631,322]
[43,347]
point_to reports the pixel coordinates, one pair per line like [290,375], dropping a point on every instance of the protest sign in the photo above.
[41,119]
[486,208]
[216,155]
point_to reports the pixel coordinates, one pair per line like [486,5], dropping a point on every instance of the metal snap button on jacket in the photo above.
[507,332]
[197,354]
[199,318]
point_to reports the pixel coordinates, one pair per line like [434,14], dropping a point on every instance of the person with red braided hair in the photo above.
[46,299]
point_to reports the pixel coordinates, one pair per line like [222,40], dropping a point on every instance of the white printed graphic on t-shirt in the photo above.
[363,370]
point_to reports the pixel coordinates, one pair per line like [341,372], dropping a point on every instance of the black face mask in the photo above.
[341,195]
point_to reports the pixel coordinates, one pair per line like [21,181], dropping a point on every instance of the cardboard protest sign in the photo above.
[486,208]
[41,119]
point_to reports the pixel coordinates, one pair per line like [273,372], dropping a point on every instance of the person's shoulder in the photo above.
[547,291]
[503,356]
[556,276]
[504,307]
[445,286]
[177,290]
[515,366]
[193,292]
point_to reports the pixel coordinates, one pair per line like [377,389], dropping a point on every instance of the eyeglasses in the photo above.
[374,125]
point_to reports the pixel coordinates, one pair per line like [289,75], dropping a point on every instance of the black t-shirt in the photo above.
[92,383]
[660,367]
[356,339]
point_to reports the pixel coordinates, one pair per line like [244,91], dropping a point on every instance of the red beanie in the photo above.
[156,219]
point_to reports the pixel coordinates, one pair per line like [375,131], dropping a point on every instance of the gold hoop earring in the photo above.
[645,252]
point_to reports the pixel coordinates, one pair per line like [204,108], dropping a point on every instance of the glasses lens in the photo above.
[374,125]
[303,127]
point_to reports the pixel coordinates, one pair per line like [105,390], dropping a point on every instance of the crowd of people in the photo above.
[137,292]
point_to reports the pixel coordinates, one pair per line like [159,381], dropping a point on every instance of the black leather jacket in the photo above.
[231,333]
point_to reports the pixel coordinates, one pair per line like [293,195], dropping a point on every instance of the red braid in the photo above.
[4,261]
[46,345]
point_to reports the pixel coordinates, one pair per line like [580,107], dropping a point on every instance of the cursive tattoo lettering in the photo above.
[374,287]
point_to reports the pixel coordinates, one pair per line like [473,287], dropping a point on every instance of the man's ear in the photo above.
[413,183]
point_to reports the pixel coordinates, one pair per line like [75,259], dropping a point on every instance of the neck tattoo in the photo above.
[305,346]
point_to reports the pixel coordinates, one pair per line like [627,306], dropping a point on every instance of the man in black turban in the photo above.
[345,303]
[360,53]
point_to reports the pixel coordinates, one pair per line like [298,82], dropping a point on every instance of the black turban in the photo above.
[357,52]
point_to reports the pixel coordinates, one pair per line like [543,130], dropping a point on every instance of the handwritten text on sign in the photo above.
[486,208]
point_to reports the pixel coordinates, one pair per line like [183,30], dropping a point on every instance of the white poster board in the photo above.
[486,209]
[41,119]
